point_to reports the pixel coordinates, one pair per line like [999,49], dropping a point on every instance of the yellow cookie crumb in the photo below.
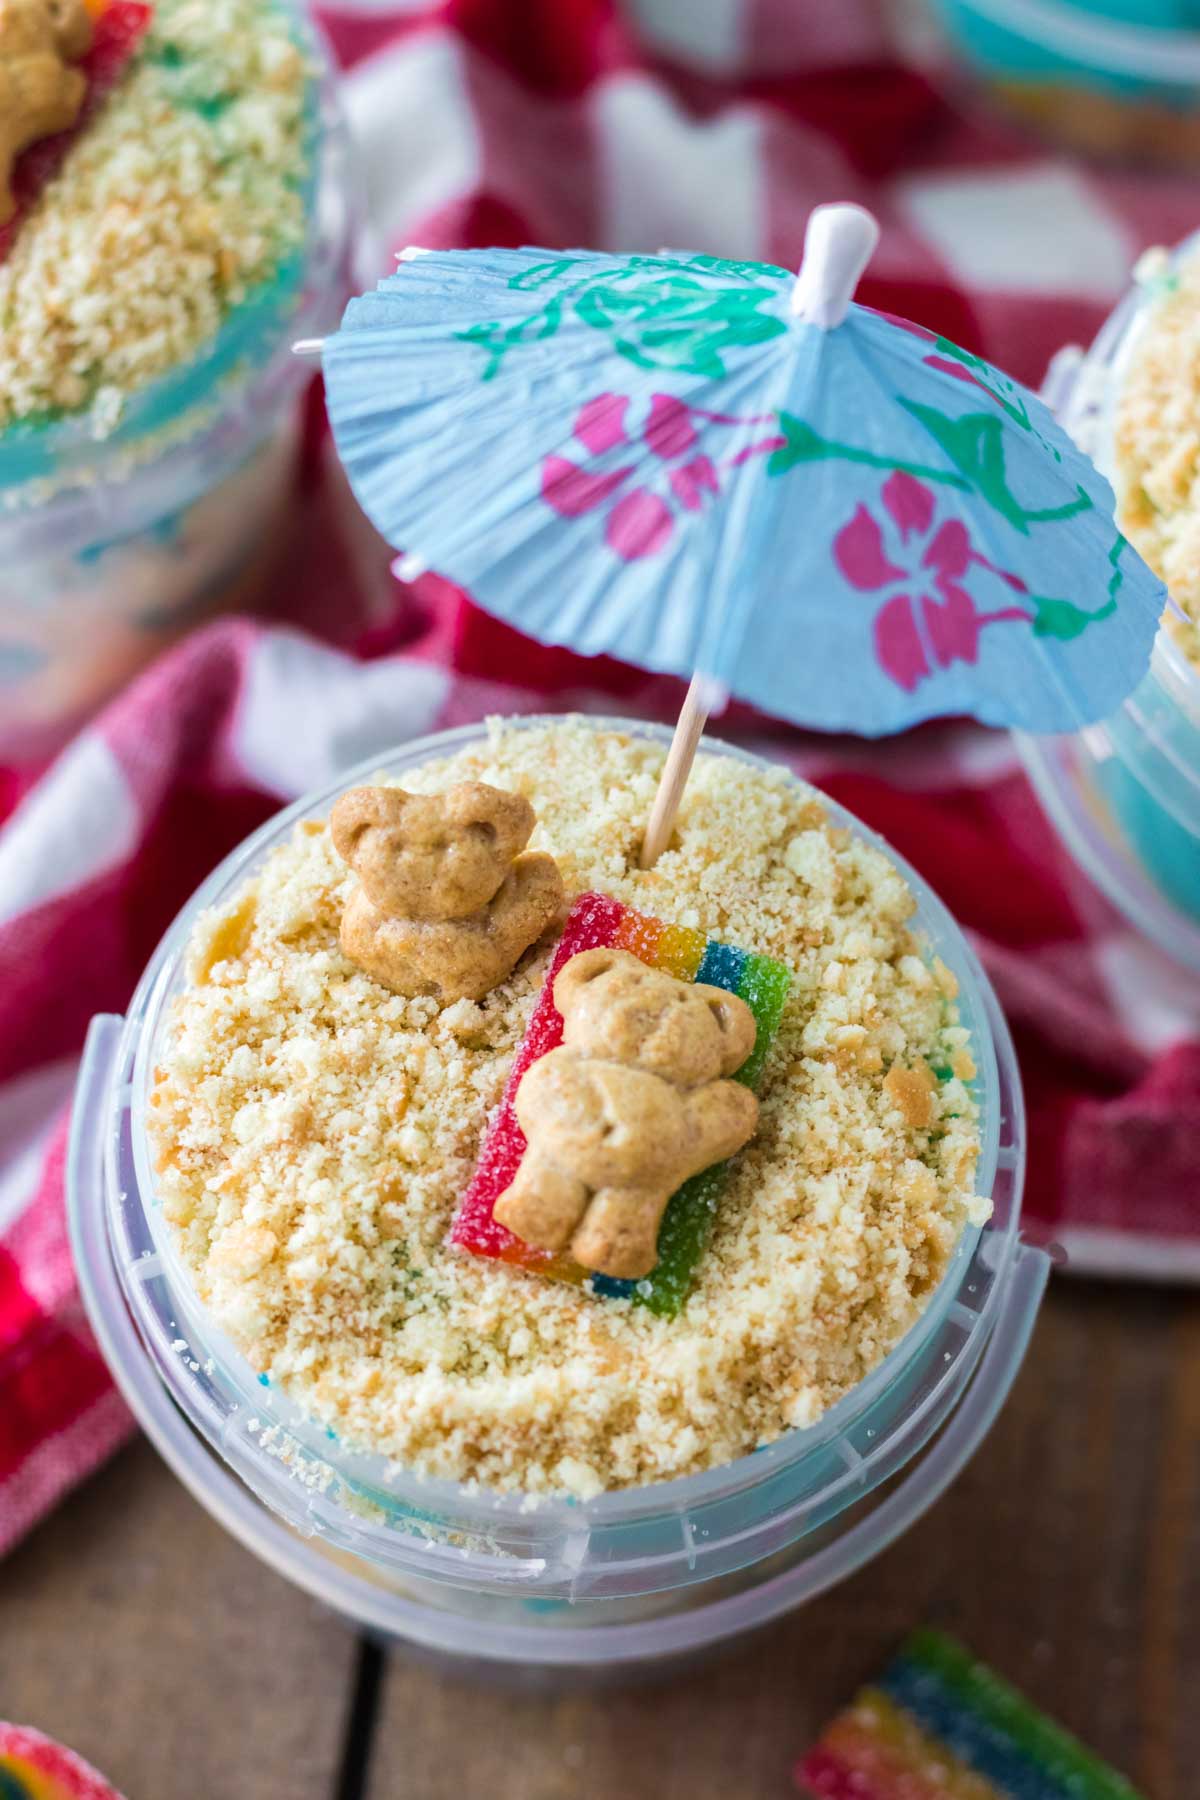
[912,1091]
[314,1133]
[1156,445]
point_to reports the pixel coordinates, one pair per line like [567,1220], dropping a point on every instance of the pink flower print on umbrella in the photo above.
[930,620]
[651,458]
[951,359]
[948,357]
[641,520]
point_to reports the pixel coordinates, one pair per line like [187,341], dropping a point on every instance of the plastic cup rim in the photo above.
[652,1499]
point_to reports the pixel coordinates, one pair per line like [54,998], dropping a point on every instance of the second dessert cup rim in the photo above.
[369,1468]
[1109,354]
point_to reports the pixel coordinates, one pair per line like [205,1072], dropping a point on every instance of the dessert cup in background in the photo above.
[1125,794]
[636,1576]
[113,544]
[1117,82]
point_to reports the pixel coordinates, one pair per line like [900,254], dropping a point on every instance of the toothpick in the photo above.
[703,696]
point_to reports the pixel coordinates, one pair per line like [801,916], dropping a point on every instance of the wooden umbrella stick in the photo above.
[701,698]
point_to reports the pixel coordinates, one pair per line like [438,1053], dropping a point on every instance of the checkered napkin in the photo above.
[713,125]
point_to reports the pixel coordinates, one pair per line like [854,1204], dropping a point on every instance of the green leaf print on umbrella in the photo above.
[541,275]
[982,375]
[804,445]
[676,324]
[975,445]
[655,311]
[1063,620]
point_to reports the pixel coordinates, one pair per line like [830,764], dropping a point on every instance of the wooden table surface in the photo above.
[1067,1556]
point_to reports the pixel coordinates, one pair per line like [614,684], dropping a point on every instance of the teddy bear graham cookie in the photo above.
[448,899]
[606,1160]
[632,1103]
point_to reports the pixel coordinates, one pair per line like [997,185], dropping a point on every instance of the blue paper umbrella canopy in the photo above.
[716,467]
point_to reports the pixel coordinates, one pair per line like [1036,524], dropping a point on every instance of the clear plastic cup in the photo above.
[1111,81]
[1125,794]
[110,548]
[632,1575]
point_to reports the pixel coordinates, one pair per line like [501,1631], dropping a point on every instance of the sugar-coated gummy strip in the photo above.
[955,1678]
[639,935]
[722,966]
[680,952]
[888,1752]
[38,1765]
[970,1735]
[940,1726]
[863,1770]
[592,925]
[764,987]
[596,921]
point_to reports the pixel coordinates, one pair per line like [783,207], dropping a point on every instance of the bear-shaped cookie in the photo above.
[447,903]
[634,1101]
[40,93]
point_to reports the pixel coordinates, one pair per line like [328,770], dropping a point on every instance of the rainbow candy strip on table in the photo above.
[34,1767]
[598,922]
[118,27]
[937,1725]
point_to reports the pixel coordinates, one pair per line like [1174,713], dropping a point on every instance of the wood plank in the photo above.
[134,1629]
[1067,1556]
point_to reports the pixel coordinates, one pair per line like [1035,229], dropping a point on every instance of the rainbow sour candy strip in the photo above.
[938,1725]
[34,1767]
[596,922]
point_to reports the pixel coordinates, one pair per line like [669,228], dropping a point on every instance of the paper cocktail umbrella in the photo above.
[723,471]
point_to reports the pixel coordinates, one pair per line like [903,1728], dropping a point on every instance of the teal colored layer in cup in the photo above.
[1077,43]
[1149,773]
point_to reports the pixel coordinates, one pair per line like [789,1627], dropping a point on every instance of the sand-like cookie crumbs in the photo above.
[176,201]
[1157,447]
[313,1133]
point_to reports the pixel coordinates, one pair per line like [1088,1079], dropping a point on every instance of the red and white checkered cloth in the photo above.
[713,125]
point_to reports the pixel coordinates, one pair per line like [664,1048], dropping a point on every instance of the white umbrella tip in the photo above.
[411,252]
[839,242]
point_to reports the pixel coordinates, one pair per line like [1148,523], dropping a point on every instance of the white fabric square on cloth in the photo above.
[705,34]
[29,1107]
[1040,229]
[1156,1001]
[308,712]
[671,182]
[78,823]
[416,134]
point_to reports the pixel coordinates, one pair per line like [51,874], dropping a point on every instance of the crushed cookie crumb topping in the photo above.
[313,1133]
